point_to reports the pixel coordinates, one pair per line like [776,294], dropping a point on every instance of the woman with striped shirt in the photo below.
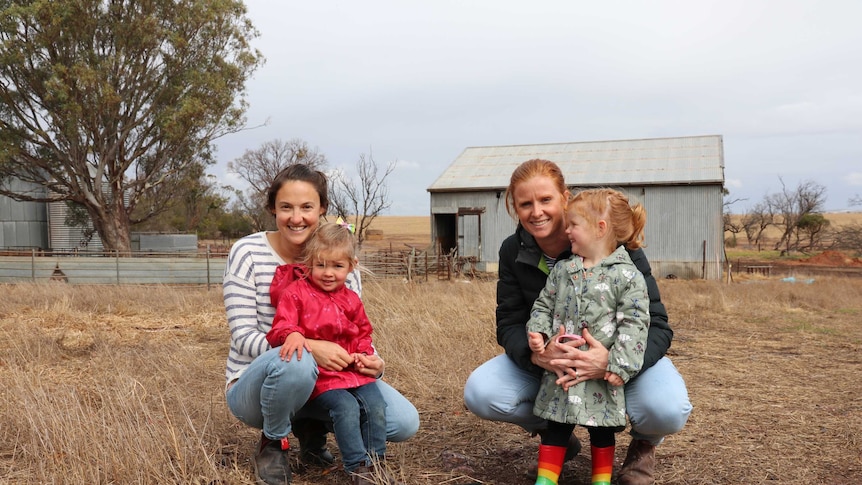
[263,390]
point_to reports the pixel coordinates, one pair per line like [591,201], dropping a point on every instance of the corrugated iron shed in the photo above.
[679,160]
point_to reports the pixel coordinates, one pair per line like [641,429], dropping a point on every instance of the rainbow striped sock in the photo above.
[603,464]
[550,464]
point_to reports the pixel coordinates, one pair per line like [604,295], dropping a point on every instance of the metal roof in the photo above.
[680,160]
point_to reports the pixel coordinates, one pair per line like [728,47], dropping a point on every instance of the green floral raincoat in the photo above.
[610,300]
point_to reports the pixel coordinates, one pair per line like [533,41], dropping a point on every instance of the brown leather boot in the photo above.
[639,466]
[364,475]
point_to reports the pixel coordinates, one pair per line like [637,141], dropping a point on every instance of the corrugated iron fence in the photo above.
[99,268]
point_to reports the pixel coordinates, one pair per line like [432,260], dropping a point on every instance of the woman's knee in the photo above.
[402,418]
[302,373]
[662,420]
[658,404]
[477,397]
[498,390]
[401,427]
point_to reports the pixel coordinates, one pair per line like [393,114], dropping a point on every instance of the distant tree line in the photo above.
[797,214]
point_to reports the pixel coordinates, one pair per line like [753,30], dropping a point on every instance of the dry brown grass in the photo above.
[398,231]
[124,385]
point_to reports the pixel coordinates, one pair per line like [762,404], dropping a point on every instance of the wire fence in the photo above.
[198,268]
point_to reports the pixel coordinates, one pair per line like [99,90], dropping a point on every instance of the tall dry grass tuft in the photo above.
[135,403]
[125,385]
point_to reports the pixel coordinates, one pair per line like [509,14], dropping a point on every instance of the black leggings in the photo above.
[558,434]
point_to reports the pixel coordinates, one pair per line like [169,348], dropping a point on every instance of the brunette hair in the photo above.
[625,222]
[534,168]
[330,239]
[303,173]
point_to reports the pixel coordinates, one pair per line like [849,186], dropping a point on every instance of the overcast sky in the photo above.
[418,82]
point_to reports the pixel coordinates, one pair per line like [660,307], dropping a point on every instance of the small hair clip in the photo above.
[349,227]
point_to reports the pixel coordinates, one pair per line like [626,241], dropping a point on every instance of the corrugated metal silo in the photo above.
[63,237]
[23,224]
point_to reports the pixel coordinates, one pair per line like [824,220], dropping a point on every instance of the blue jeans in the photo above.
[358,421]
[656,402]
[271,392]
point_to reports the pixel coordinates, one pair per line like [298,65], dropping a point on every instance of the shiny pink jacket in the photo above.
[336,316]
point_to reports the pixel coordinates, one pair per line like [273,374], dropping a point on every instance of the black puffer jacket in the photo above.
[521,281]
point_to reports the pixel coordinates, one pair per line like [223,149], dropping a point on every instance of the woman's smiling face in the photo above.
[540,207]
[297,211]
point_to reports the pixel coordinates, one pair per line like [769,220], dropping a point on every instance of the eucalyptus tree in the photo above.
[109,102]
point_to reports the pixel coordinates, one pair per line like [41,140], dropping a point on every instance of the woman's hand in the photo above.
[369,365]
[581,365]
[555,355]
[329,355]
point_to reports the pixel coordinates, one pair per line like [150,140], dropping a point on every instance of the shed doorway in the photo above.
[469,235]
[460,234]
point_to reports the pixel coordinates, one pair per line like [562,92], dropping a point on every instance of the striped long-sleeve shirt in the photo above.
[248,274]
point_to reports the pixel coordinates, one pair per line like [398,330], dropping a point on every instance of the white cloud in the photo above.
[733,183]
[407,165]
[854,178]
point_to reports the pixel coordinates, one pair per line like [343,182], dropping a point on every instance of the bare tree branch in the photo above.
[364,199]
[259,167]
[792,206]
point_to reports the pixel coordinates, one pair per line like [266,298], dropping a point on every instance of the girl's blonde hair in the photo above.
[625,222]
[331,240]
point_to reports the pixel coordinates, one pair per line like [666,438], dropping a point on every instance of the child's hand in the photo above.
[613,379]
[536,341]
[294,342]
[369,365]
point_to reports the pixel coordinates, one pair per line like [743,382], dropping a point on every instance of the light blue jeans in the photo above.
[656,402]
[271,392]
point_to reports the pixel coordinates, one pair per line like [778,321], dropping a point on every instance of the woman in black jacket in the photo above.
[504,388]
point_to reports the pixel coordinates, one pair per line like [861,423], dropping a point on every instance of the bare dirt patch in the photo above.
[832,258]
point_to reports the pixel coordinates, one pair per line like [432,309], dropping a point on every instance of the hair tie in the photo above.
[349,227]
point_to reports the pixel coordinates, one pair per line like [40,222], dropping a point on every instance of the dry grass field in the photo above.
[124,384]
[398,231]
